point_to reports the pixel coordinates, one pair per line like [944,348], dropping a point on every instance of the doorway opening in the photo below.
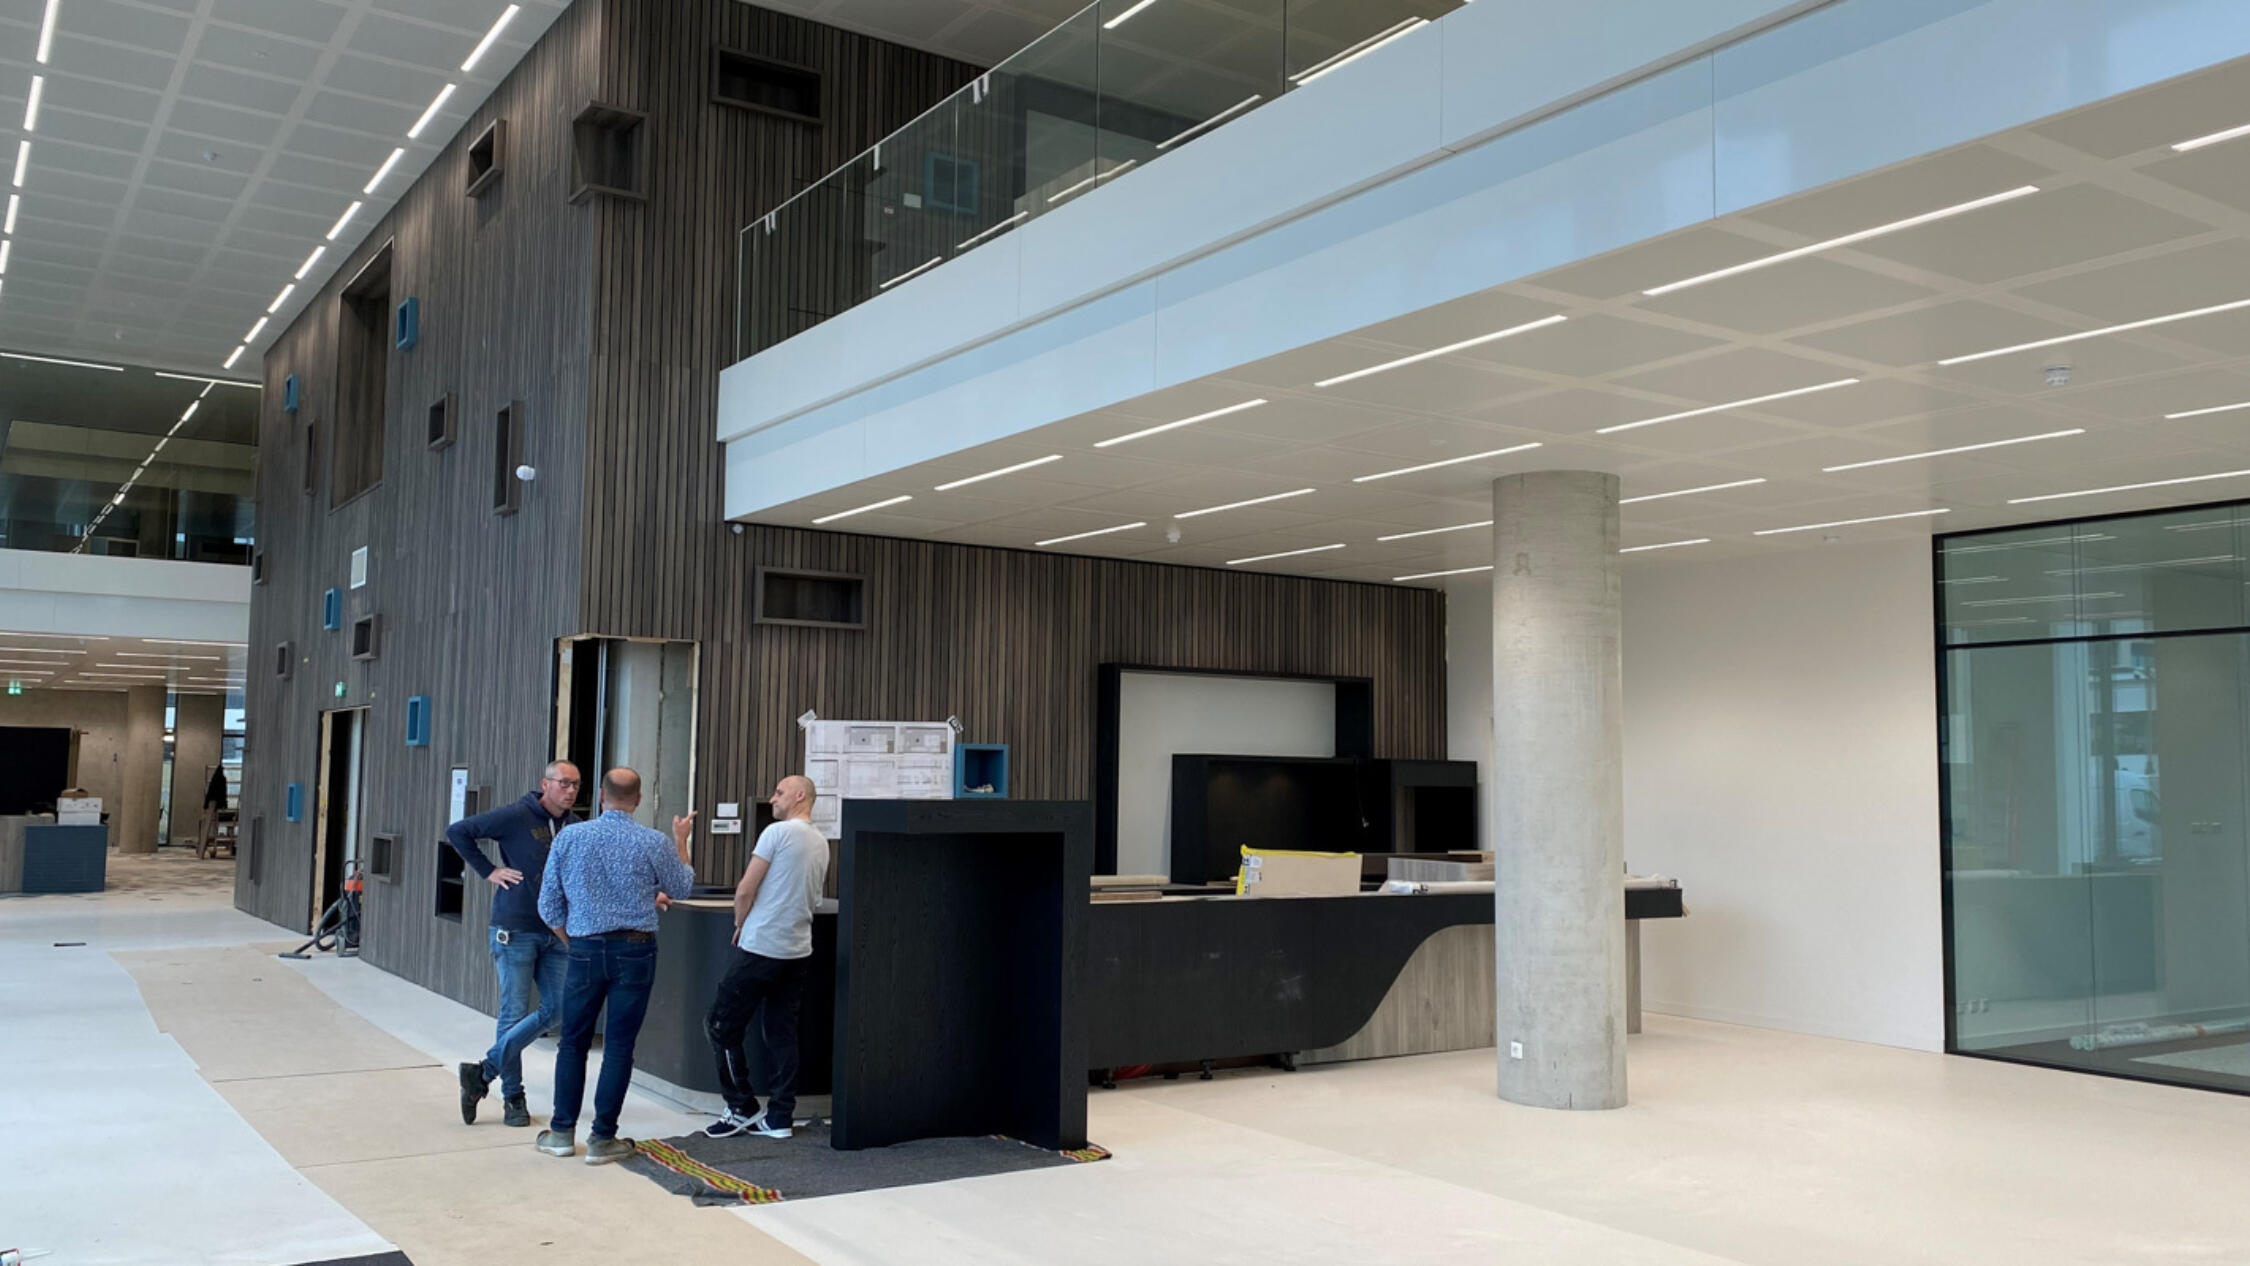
[336,829]
[622,701]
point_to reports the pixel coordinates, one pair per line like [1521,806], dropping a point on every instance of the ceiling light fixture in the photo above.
[1458,527]
[1433,575]
[2205,561]
[31,103]
[209,383]
[344,219]
[256,330]
[1727,407]
[445,94]
[2214,138]
[1948,452]
[23,161]
[1095,179]
[1880,230]
[845,514]
[2202,413]
[2106,330]
[47,31]
[1876,518]
[1357,51]
[6,244]
[1013,220]
[193,405]
[1173,426]
[484,45]
[1121,18]
[310,260]
[995,474]
[1287,553]
[232,357]
[74,364]
[1080,536]
[15,204]
[1448,349]
[2038,598]
[1450,461]
[1688,492]
[2153,483]
[384,170]
[2032,544]
[1643,549]
[916,271]
[281,298]
[1237,505]
[1214,121]
[182,641]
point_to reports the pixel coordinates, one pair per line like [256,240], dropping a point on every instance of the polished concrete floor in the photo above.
[191,1099]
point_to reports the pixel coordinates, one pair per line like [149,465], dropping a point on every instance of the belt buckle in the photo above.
[501,935]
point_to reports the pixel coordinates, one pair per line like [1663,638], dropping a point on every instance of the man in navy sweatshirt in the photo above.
[524,951]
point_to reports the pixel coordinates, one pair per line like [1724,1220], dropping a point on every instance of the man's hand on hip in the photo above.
[504,877]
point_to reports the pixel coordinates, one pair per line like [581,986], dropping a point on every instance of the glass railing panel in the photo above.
[1324,35]
[1172,70]
[1033,123]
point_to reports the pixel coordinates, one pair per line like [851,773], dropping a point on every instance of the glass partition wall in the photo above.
[2095,679]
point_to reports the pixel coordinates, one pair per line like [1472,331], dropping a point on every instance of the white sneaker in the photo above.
[728,1126]
[757,1125]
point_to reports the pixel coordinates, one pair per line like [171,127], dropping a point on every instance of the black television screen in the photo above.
[34,767]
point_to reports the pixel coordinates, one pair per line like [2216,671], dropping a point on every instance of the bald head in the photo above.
[621,789]
[792,798]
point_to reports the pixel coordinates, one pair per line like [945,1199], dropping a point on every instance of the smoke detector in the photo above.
[2058,375]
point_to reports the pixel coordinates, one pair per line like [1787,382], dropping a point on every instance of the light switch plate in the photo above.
[1515,1050]
[726,826]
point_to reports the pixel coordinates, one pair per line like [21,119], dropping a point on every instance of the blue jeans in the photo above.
[528,959]
[602,969]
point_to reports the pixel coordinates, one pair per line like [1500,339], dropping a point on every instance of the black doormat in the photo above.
[379,1259]
[755,1170]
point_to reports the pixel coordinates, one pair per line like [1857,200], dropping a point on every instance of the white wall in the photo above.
[122,597]
[1161,715]
[1781,762]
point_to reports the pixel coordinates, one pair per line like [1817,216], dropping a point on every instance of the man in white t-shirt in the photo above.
[773,912]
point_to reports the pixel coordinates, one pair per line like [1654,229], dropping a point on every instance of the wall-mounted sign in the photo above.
[457,807]
[359,568]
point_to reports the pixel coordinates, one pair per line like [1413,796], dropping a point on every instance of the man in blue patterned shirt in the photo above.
[606,880]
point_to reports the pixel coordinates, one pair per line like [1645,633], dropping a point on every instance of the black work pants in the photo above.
[777,985]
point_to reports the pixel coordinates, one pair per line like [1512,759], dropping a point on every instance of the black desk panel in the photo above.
[694,948]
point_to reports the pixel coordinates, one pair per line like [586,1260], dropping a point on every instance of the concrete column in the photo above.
[1557,790]
[197,723]
[133,823]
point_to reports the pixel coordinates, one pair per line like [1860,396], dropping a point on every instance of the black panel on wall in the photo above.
[34,762]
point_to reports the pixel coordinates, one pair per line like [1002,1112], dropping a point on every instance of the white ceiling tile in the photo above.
[1929,335]
[2052,229]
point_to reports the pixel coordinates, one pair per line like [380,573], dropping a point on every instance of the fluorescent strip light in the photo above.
[47,31]
[15,204]
[1642,549]
[1096,178]
[845,514]
[310,260]
[1877,518]
[1173,426]
[1450,461]
[1448,349]
[2154,483]
[384,170]
[1290,553]
[74,364]
[1215,120]
[2013,545]
[12,651]
[281,298]
[995,474]
[256,330]
[344,219]
[2201,413]
[1013,220]
[2128,327]
[2206,526]
[1121,18]
[1948,452]
[484,45]
[182,641]
[1727,407]
[193,405]
[2183,146]
[208,383]
[23,161]
[31,103]
[232,357]
[1458,527]
[2035,600]
[445,94]
[1930,217]
[1357,51]
[1688,492]
[1433,575]
[916,271]
[2204,561]
[206,389]
[6,244]
[1237,505]
[1080,536]
[1974,580]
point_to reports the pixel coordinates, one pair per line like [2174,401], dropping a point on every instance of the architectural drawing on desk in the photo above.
[875,760]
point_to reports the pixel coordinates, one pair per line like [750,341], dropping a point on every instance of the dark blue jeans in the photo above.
[530,960]
[602,969]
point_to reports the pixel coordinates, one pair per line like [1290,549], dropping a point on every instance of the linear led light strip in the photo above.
[1096,178]
[15,204]
[2014,545]
[1122,18]
[47,31]
[1287,553]
[916,271]
[1643,549]
[385,169]
[1237,505]
[2183,147]
[1357,51]
[1080,536]
[1214,121]
[2103,332]
[2204,413]
[1433,575]
[1688,492]
[1948,452]
[484,45]
[2037,599]
[2153,483]
[1173,426]
[1013,220]
[1727,407]
[1876,518]
[23,161]
[876,505]
[995,474]
[1458,527]
[2106,568]
[445,94]
[1447,350]
[74,364]
[211,382]
[1450,461]
[31,103]
[1880,230]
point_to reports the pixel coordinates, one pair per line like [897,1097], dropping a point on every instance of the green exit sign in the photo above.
[15,687]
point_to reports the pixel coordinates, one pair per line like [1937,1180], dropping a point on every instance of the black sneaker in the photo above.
[729,1126]
[519,1113]
[474,1084]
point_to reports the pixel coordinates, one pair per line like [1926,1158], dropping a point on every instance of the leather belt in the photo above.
[621,934]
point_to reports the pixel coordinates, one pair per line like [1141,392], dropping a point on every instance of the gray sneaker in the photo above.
[557,1143]
[605,1151]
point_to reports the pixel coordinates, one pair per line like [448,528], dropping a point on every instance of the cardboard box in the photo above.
[78,811]
[1276,873]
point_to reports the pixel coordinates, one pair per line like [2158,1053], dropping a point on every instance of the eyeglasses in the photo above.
[564,782]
